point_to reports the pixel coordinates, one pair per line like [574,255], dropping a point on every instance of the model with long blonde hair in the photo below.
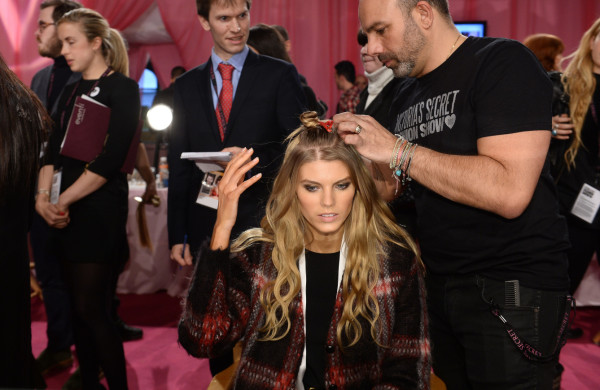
[261,296]
[369,230]
[579,83]
[575,137]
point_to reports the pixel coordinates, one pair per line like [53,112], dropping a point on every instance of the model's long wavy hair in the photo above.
[579,83]
[24,125]
[369,231]
[94,25]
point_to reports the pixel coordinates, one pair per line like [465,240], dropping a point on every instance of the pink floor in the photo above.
[158,363]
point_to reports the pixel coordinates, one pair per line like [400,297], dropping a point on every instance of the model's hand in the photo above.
[231,187]
[370,139]
[180,257]
[562,127]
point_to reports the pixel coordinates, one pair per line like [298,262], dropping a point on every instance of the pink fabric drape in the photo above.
[18,23]
[322,32]
[120,14]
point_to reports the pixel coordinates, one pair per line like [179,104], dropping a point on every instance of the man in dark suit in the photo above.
[267,101]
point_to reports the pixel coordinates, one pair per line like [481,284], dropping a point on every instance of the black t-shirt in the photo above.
[487,87]
[321,292]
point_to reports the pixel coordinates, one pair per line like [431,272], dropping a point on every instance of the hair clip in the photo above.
[327,125]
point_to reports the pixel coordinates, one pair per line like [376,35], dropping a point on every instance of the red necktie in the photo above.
[225,98]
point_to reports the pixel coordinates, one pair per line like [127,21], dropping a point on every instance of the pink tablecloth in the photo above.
[150,271]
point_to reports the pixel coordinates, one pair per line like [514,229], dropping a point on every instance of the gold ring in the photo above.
[358,129]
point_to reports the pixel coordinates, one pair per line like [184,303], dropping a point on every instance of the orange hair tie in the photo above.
[327,125]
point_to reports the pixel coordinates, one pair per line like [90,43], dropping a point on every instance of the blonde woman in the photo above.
[328,292]
[89,218]
[576,133]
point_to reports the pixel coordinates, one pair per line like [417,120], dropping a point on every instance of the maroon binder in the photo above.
[86,131]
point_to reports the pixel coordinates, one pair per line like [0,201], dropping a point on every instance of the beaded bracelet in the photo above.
[401,161]
[407,177]
[394,155]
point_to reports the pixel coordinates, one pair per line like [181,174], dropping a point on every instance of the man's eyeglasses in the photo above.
[42,26]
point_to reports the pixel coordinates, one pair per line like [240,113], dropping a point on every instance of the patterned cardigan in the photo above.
[223,307]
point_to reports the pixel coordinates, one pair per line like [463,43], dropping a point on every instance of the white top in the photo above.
[377,81]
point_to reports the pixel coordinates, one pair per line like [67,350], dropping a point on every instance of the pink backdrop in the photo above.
[322,32]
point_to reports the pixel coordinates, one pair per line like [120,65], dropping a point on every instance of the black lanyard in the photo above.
[220,112]
[528,350]
[62,116]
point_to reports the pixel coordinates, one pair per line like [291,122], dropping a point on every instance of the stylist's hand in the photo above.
[178,256]
[562,127]
[370,139]
[231,187]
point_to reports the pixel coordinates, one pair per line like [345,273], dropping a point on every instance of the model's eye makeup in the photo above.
[342,186]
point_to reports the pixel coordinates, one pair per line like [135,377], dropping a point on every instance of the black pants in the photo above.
[470,346]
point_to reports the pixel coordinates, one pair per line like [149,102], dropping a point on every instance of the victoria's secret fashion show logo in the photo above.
[427,117]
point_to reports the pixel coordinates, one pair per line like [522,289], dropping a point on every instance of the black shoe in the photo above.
[129,333]
[574,333]
[52,361]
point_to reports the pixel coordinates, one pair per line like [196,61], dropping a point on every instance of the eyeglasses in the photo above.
[42,26]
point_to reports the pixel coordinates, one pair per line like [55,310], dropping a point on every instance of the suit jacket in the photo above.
[223,307]
[266,108]
[40,82]
[380,106]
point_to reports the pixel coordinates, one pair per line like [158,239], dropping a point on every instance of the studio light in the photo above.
[160,117]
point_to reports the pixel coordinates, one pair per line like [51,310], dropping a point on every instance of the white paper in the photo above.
[86,97]
[587,203]
[209,190]
[207,161]
[208,201]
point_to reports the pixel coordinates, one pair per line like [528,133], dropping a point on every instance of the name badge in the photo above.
[587,203]
[55,190]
